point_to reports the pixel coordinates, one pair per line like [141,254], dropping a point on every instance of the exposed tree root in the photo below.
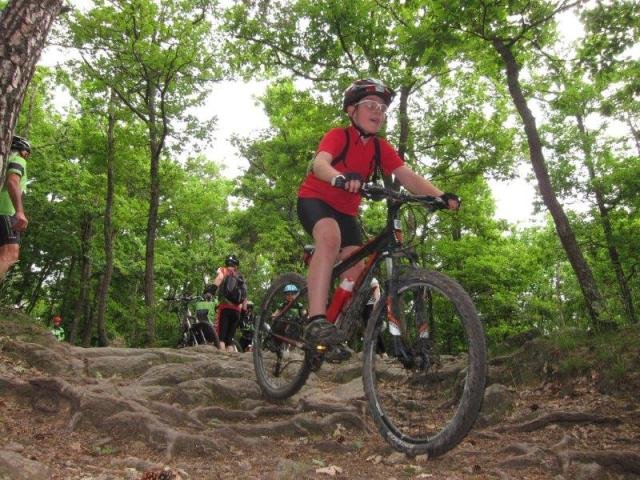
[622,461]
[558,417]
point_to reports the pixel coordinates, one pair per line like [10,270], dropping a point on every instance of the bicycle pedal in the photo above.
[338,354]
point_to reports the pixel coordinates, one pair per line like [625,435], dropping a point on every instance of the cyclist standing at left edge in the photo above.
[329,214]
[12,217]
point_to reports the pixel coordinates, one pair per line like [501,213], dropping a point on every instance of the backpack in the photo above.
[341,157]
[233,288]
[375,167]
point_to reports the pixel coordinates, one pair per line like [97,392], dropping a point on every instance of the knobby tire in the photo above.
[281,368]
[428,410]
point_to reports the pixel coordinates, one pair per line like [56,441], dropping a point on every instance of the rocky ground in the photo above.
[116,413]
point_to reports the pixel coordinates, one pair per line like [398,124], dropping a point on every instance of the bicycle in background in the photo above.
[195,330]
[426,395]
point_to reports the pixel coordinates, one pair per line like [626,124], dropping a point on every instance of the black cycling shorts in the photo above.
[310,210]
[7,234]
[228,321]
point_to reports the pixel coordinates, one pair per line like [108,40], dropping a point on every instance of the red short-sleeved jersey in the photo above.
[360,158]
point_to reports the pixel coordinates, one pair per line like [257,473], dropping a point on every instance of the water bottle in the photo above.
[341,295]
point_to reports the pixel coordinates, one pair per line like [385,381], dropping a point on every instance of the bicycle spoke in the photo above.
[426,395]
[282,365]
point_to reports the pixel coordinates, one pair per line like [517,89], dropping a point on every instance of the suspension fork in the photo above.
[422,303]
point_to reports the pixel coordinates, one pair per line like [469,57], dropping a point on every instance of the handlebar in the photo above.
[184,298]
[377,193]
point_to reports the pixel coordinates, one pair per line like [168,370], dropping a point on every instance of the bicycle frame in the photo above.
[378,248]
[374,251]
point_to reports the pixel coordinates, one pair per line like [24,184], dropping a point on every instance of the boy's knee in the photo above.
[328,240]
[9,256]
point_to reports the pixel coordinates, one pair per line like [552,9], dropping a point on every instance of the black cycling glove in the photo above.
[340,181]
[445,197]
[211,288]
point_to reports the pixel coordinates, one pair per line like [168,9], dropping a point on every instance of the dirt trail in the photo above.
[112,413]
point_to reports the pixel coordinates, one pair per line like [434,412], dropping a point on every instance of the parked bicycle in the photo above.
[195,329]
[426,395]
[246,329]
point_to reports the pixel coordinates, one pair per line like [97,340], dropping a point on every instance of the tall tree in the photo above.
[24,27]
[108,230]
[156,56]
[516,32]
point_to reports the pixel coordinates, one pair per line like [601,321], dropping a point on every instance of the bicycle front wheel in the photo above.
[281,363]
[426,392]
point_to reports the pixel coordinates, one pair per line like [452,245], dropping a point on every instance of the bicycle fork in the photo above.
[411,356]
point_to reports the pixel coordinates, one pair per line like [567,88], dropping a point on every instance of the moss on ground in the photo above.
[611,359]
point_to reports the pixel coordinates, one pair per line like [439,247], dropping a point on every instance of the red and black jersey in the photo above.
[359,158]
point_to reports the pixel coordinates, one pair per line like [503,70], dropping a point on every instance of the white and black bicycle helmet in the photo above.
[365,87]
[231,261]
[20,144]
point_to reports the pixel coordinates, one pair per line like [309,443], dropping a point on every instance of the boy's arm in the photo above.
[419,185]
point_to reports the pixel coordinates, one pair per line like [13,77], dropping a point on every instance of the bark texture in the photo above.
[587,283]
[24,26]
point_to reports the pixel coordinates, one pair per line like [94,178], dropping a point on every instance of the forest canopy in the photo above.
[126,210]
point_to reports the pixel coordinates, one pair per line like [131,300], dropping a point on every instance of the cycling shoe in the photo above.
[322,332]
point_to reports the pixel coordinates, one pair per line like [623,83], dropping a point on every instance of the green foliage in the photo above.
[609,360]
[458,129]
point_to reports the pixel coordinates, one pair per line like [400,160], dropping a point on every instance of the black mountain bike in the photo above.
[426,395]
[195,329]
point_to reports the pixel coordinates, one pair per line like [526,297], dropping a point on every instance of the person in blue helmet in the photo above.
[290,324]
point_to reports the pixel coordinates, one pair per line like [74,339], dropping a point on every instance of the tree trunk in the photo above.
[36,288]
[67,301]
[582,270]
[403,120]
[635,133]
[85,279]
[614,256]
[109,233]
[24,26]
[156,141]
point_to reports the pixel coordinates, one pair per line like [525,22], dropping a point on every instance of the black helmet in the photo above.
[231,261]
[20,144]
[363,88]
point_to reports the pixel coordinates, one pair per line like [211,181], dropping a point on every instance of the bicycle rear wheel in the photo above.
[206,334]
[281,363]
[426,395]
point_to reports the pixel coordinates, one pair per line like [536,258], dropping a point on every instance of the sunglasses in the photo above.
[373,106]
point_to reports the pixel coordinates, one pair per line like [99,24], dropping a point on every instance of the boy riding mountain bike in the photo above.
[329,198]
